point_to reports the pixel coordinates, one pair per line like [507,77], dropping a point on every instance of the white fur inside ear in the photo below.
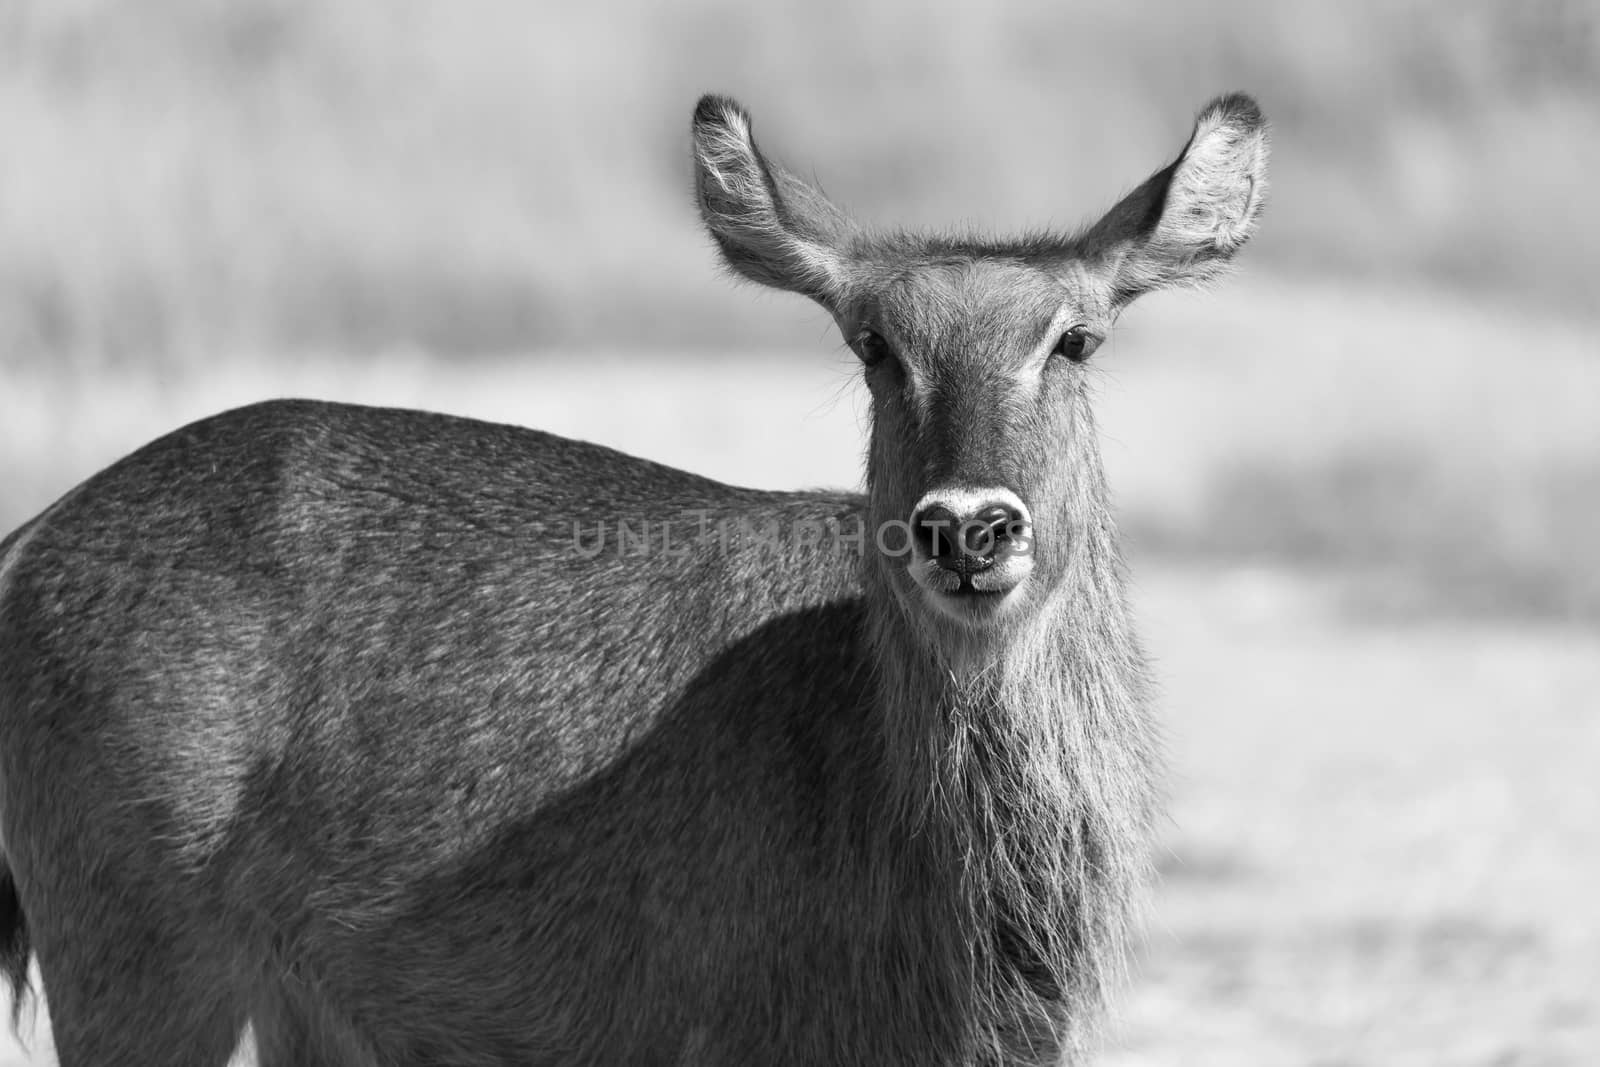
[1217,189]
[728,156]
[772,228]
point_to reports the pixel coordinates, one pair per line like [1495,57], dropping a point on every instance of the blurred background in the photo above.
[1360,480]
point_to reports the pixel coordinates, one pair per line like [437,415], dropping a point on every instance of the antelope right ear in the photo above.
[1183,225]
[770,226]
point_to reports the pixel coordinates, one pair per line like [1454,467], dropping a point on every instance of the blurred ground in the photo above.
[1382,841]
[1361,482]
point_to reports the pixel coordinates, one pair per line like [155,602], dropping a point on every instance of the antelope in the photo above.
[348,729]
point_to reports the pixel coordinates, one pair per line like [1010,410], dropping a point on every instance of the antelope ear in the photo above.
[1183,225]
[770,226]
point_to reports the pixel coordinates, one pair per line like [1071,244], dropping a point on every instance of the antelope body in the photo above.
[334,722]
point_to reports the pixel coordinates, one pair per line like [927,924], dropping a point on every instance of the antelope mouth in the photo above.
[974,597]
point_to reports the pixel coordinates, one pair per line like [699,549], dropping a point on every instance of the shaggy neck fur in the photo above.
[1027,762]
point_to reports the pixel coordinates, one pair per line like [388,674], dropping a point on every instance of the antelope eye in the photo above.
[872,348]
[1077,344]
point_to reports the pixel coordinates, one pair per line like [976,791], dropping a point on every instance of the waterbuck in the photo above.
[408,739]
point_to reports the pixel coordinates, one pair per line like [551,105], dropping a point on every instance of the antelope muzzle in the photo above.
[971,549]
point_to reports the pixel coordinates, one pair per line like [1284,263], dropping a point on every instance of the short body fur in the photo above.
[362,737]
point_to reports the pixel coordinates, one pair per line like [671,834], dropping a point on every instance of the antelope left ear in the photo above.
[1183,225]
[770,226]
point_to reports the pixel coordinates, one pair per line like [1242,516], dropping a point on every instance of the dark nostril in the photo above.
[984,532]
[936,529]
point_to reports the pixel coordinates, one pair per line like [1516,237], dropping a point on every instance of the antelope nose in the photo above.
[967,535]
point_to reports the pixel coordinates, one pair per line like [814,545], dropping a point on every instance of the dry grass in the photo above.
[1444,453]
[1444,450]
[190,180]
